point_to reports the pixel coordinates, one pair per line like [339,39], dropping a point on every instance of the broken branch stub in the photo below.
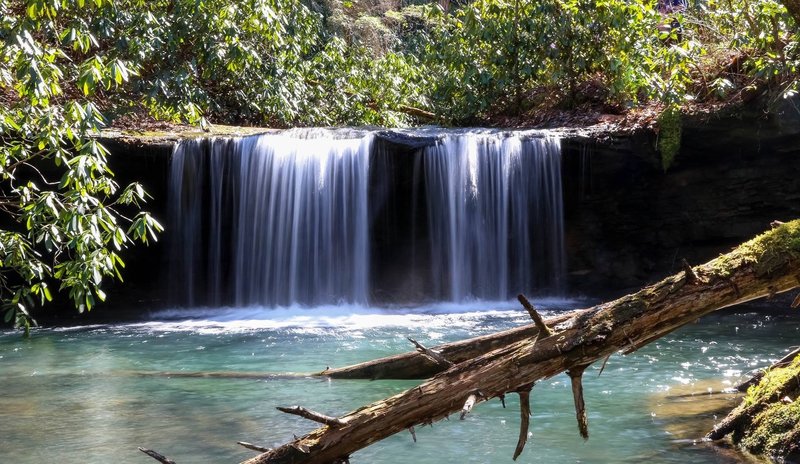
[688,272]
[524,418]
[576,378]
[544,331]
[312,415]
[470,403]
[434,356]
[250,446]
[157,456]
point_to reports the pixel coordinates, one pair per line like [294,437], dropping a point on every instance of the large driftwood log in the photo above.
[761,267]
[415,365]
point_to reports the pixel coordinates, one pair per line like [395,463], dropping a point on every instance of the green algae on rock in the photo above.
[767,422]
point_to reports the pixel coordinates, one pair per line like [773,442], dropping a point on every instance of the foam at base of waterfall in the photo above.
[347,317]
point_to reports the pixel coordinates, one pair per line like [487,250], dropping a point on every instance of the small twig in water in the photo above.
[157,456]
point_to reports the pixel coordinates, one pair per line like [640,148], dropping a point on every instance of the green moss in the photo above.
[774,430]
[772,383]
[669,135]
[766,252]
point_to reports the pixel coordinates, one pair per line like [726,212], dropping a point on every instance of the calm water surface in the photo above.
[93,394]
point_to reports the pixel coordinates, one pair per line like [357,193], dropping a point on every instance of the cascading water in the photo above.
[495,215]
[271,220]
[281,219]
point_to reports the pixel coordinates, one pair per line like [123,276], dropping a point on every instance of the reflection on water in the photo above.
[691,410]
[93,394]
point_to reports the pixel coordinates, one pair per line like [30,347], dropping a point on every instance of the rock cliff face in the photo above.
[147,280]
[627,220]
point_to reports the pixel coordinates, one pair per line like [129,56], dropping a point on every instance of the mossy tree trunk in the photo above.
[763,266]
[767,421]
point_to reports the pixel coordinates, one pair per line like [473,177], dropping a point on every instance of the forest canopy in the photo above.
[324,62]
[70,67]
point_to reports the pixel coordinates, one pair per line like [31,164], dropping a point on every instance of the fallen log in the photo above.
[783,362]
[418,365]
[764,266]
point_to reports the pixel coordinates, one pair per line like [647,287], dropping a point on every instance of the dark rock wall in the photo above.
[399,250]
[146,275]
[629,222]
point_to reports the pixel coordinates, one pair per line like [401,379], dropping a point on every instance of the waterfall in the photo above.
[286,218]
[495,215]
[271,220]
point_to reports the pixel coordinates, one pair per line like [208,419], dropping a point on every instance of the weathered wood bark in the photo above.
[415,365]
[764,266]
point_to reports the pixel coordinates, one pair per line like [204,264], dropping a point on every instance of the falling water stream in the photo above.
[495,215]
[272,219]
[281,219]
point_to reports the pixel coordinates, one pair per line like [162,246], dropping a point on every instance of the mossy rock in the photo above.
[775,430]
[669,136]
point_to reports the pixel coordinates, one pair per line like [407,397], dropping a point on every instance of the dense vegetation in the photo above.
[315,62]
[67,67]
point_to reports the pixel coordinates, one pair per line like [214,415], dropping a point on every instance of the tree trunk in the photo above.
[763,266]
[415,365]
